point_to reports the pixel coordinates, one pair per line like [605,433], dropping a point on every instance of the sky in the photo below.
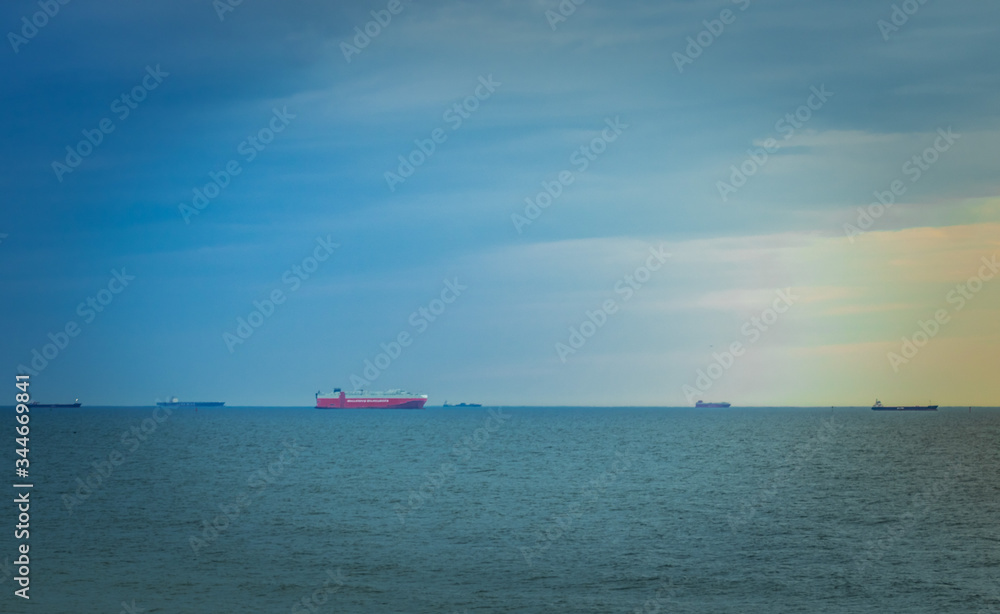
[511,203]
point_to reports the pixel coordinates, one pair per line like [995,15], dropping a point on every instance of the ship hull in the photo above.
[369,403]
[904,408]
[54,405]
[700,405]
[393,399]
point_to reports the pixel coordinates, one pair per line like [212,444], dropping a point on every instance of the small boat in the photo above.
[879,407]
[703,405]
[36,404]
[446,404]
[175,402]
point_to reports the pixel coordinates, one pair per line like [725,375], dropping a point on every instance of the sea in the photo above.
[526,509]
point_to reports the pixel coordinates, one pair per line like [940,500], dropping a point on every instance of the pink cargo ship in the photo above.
[366,399]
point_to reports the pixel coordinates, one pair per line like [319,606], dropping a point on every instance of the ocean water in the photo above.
[512,510]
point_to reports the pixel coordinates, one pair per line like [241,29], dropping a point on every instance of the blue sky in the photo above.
[323,176]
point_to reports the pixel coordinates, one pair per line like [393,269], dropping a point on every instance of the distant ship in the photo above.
[704,405]
[463,405]
[35,404]
[367,399]
[175,402]
[879,407]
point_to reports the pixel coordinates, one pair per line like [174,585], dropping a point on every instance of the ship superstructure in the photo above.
[879,407]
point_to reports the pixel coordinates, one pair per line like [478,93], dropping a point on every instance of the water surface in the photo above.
[521,509]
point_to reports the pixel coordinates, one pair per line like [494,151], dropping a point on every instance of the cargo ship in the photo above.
[175,402]
[704,405]
[36,404]
[446,404]
[879,407]
[367,399]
